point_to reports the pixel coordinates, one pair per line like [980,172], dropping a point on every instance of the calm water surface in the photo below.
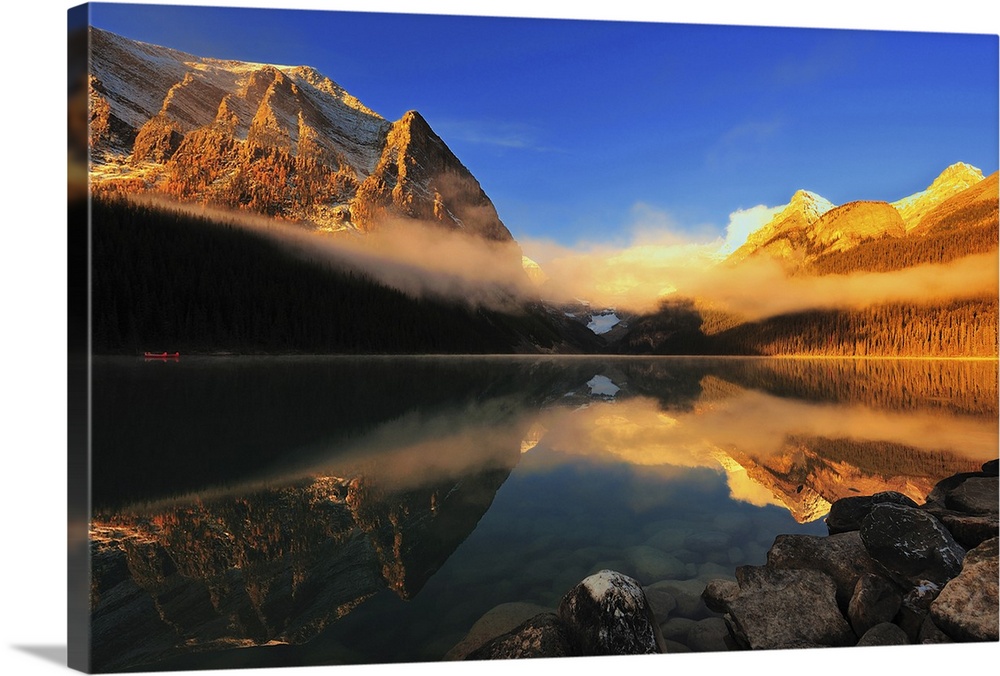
[372,509]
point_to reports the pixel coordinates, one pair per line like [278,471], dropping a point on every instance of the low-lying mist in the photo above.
[416,258]
[424,259]
[640,277]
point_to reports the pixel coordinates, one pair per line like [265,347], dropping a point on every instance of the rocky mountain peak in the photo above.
[282,140]
[809,204]
[419,177]
[953,180]
[959,173]
[786,232]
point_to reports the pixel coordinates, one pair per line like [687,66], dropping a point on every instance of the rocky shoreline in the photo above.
[889,572]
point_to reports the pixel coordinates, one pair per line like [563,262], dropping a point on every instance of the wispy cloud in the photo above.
[507,135]
[743,143]
[827,58]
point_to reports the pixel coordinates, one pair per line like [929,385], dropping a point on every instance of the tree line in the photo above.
[960,328]
[163,280]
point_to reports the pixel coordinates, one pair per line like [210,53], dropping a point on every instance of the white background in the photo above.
[33,328]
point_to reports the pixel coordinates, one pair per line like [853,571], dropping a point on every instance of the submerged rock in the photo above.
[497,621]
[544,635]
[687,596]
[661,601]
[709,635]
[677,628]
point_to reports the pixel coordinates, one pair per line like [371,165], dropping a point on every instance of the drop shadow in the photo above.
[50,653]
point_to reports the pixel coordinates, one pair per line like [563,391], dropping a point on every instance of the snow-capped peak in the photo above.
[953,180]
[810,204]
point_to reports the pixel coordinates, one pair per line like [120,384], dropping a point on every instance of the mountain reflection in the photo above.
[804,454]
[278,561]
[338,481]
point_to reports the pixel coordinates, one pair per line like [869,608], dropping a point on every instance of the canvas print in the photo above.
[420,338]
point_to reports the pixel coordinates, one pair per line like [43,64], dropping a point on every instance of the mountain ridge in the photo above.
[810,226]
[285,141]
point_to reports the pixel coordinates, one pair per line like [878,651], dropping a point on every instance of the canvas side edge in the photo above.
[78,344]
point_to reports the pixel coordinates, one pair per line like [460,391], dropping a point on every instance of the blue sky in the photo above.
[587,131]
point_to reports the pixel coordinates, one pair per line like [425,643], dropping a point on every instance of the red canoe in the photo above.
[162,355]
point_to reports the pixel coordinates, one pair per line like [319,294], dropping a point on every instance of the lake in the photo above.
[272,511]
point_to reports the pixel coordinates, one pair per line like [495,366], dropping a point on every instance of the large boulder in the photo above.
[847,514]
[942,489]
[544,635]
[975,495]
[609,615]
[969,530]
[967,607]
[786,608]
[841,556]
[876,600]
[910,544]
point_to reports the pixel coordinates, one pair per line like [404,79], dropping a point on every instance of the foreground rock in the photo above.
[609,613]
[786,608]
[910,544]
[842,556]
[847,514]
[876,600]
[890,572]
[605,614]
[966,609]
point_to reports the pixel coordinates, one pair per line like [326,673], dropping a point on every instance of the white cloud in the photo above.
[742,223]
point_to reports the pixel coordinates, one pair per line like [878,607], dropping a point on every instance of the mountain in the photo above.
[810,237]
[788,232]
[809,227]
[280,140]
[951,181]
[960,225]
[973,207]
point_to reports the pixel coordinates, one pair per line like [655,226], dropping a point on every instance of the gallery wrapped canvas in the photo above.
[421,338]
